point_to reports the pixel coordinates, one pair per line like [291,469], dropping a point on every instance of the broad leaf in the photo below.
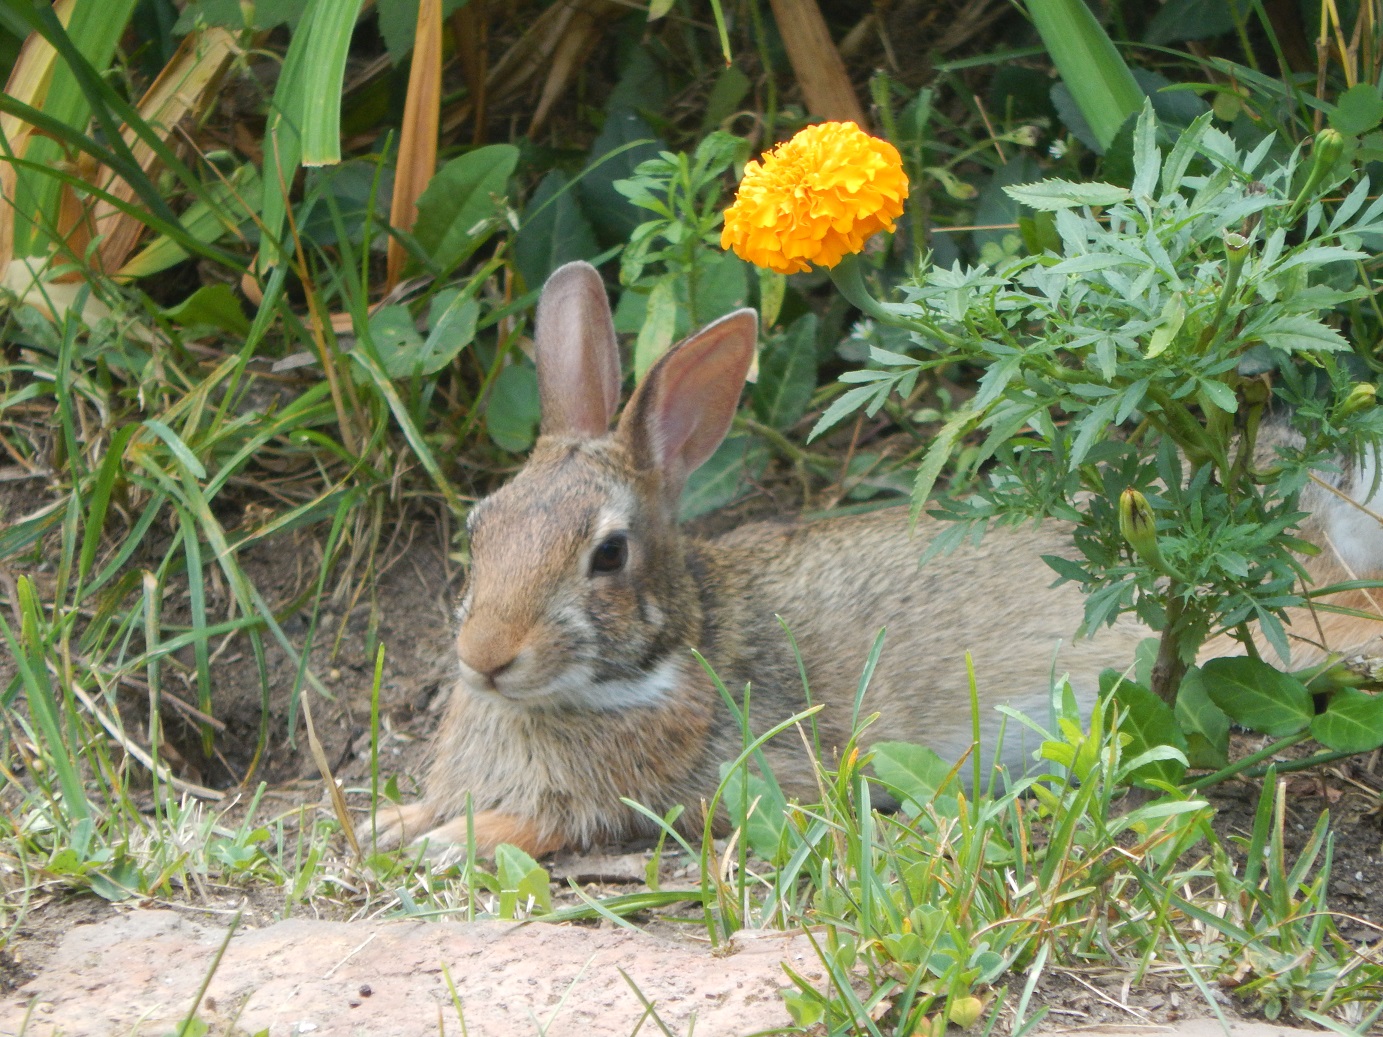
[455,211]
[1149,723]
[555,230]
[917,774]
[1203,723]
[1258,696]
[215,305]
[521,879]
[724,475]
[1352,723]
[511,414]
[787,375]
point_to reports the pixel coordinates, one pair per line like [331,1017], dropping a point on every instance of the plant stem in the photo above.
[1239,766]
[782,444]
[1169,669]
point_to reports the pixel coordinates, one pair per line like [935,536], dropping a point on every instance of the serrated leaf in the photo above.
[844,404]
[1257,696]
[1296,333]
[1352,723]
[937,455]
[1051,195]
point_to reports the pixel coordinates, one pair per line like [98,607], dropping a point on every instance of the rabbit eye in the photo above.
[610,554]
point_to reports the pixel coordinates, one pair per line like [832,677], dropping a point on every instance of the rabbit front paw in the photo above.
[488,829]
[395,824]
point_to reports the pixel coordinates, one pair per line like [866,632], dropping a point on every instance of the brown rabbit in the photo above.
[584,602]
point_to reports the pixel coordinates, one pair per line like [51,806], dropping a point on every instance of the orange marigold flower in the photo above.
[815,198]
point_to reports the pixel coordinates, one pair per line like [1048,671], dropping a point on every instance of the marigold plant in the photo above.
[815,198]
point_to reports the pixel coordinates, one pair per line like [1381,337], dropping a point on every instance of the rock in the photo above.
[139,971]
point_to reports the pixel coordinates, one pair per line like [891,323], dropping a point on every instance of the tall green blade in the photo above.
[1100,82]
[304,126]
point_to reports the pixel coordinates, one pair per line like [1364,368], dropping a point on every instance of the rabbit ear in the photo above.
[578,359]
[682,409]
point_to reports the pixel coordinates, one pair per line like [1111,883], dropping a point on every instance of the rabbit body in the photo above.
[584,602]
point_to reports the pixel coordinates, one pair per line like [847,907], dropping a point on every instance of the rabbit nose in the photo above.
[489,652]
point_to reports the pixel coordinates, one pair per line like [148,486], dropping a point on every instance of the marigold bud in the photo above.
[1361,397]
[1138,526]
[1329,146]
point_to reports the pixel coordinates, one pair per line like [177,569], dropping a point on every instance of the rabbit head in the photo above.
[577,589]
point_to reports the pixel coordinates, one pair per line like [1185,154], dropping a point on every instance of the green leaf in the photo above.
[215,305]
[767,821]
[405,353]
[1179,20]
[461,200]
[722,285]
[730,88]
[453,329]
[1352,723]
[398,23]
[511,412]
[659,326]
[1051,195]
[1358,110]
[1257,696]
[185,457]
[554,231]
[396,341]
[724,475]
[1205,725]
[995,207]
[1295,332]
[787,375]
[624,142]
[1173,316]
[1090,66]
[521,878]
[917,774]
[1149,723]
[772,288]
[937,454]
[329,24]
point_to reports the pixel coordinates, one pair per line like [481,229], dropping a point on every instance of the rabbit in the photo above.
[584,602]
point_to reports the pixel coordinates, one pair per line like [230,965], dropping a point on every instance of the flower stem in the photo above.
[848,277]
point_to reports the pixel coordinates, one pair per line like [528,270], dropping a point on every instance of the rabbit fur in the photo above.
[584,602]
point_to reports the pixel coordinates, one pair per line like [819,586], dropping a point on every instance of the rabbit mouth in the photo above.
[576,686]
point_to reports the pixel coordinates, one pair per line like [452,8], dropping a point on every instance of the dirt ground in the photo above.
[408,609]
